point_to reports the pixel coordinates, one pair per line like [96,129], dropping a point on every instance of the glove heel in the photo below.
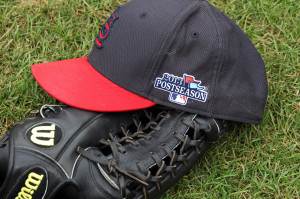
[4,157]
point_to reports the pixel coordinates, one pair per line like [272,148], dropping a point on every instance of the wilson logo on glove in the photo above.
[33,185]
[44,135]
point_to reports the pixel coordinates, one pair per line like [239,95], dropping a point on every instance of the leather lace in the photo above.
[144,177]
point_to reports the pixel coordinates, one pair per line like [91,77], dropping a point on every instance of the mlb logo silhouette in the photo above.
[178,99]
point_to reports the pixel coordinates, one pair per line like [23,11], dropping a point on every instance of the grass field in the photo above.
[249,162]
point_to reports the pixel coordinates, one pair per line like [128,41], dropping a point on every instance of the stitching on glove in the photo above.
[193,138]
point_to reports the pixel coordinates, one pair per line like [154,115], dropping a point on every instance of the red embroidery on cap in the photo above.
[106,29]
[98,43]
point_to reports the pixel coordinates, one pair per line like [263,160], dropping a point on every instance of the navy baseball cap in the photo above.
[186,55]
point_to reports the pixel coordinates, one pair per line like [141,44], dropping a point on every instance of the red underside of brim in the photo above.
[76,83]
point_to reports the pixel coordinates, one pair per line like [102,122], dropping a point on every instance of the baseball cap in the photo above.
[186,55]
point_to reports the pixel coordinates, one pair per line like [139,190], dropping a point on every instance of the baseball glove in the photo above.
[38,156]
[141,154]
[145,161]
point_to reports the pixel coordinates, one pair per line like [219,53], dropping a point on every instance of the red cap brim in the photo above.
[76,83]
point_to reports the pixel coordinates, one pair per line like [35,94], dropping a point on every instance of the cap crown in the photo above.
[210,66]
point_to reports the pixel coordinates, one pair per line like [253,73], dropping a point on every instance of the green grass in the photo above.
[250,162]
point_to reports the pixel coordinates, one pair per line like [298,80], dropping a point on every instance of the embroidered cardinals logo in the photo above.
[181,88]
[106,29]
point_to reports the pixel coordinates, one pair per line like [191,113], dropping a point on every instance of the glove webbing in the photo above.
[145,177]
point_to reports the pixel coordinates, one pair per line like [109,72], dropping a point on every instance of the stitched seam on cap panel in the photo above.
[222,59]
[158,58]
[218,58]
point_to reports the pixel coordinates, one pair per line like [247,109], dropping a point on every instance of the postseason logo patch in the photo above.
[181,88]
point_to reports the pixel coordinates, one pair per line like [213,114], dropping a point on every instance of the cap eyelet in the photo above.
[143,15]
[195,35]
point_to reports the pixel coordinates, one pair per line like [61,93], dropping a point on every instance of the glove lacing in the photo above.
[144,177]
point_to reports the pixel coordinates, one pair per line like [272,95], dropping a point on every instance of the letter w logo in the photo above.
[43,135]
